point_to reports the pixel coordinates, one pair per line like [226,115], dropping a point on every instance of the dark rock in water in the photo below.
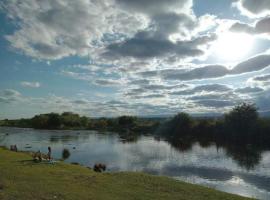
[75,163]
[74,147]
[28,147]
[65,154]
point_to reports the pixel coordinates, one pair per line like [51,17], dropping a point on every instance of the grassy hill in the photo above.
[22,179]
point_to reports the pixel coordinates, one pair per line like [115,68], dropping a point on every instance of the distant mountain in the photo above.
[265,114]
[195,115]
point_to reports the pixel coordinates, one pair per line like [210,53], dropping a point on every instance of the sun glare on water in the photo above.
[233,46]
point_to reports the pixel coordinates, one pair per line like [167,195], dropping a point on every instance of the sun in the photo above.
[233,46]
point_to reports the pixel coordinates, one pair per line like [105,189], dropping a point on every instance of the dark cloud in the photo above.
[249,90]
[154,41]
[150,96]
[139,82]
[211,96]
[143,46]
[242,27]
[265,77]
[215,103]
[253,64]
[263,80]
[256,63]
[261,27]
[81,102]
[211,71]
[107,82]
[217,88]
[168,23]
[9,96]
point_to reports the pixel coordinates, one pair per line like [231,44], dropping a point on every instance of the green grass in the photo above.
[20,178]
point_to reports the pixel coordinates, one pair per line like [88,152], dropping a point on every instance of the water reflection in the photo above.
[241,170]
[246,156]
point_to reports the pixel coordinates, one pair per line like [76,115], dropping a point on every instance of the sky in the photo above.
[106,58]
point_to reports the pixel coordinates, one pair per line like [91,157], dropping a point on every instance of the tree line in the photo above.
[241,132]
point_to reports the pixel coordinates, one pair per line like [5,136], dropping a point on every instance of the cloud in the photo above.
[256,63]
[253,64]
[253,8]
[107,30]
[80,102]
[261,81]
[53,29]
[30,84]
[215,103]
[151,7]
[206,72]
[151,44]
[108,82]
[249,90]
[208,88]
[261,27]
[265,77]
[10,96]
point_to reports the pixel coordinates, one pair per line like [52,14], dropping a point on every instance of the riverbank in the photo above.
[22,179]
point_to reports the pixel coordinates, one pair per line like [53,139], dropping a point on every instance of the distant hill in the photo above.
[265,114]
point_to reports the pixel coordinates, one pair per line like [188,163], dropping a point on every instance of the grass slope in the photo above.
[22,179]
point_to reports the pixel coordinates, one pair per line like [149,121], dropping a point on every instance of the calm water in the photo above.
[208,166]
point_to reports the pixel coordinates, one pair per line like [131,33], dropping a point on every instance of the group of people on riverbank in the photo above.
[38,156]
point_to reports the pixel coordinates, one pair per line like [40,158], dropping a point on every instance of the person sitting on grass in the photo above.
[13,148]
[37,156]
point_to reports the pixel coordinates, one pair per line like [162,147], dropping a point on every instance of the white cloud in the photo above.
[30,84]
[53,29]
[10,96]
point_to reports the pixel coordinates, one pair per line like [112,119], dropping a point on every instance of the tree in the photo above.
[40,121]
[54,121]
[126,120]
[242,119]
[181,124]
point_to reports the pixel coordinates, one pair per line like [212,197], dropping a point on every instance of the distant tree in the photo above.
[242,119]
[181,124]
[101,124]
[54,121]
[84,121]
[40,121]
[70,119]
[126,120]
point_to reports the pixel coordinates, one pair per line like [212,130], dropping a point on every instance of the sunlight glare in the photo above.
[233,46]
